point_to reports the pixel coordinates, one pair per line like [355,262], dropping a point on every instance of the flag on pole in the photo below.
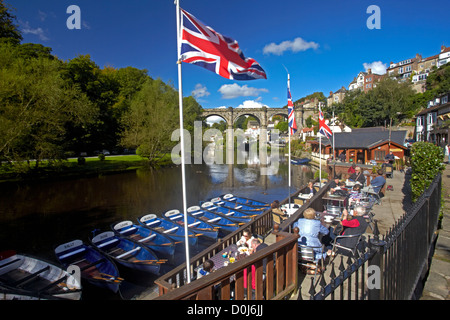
[291,116]
[202,46]
[323,127]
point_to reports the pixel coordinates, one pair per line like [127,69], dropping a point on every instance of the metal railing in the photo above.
[389,268]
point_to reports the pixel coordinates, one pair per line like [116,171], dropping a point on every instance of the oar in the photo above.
[151,261]
[111,276]
[107,279]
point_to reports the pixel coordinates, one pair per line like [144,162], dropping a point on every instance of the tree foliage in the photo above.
[389,100]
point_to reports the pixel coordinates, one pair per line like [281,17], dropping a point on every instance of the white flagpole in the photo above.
[183,173]
[320,160]
[289,134]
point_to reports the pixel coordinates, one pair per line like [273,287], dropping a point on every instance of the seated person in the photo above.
[246,238]
[352,225]
[334,184]
[352,170]
[310,189]
[207,268]
[275,206]
[309,229]
[358,176]
[377,183]
[355,194]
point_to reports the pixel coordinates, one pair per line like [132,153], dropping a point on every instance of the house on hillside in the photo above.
[432,123]
[363,145]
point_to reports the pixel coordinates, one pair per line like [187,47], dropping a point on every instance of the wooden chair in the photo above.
[388,172]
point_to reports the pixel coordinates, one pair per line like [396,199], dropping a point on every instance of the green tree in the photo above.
[8,29]
[36,105]
[152,117]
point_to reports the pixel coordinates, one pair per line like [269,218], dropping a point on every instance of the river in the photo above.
[36,217]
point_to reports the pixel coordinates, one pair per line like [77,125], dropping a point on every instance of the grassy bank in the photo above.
[71,168]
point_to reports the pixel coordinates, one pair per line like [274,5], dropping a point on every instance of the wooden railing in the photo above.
[262,225]
[276,275]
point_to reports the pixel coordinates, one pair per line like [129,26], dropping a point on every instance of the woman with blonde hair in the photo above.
[309,229]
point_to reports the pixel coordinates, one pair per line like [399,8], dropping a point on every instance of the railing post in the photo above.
[376,288]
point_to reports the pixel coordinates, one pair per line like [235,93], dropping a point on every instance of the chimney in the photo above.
[369,71]
[331,93]
[442,48]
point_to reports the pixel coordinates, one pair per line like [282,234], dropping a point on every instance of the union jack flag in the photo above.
[323,127]
[202,46]
[291,116]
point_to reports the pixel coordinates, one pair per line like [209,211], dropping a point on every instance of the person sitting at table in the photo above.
[354,194]
[351,225]
[310,189]
[352,170]
[334,184]
[275,206]
[309,229]
[358,176]
[207,268]
[246,238]
[377,183]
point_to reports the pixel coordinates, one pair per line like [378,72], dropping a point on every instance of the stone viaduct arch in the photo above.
[230,115]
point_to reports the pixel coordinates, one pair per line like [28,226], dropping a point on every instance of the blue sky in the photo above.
[324,44]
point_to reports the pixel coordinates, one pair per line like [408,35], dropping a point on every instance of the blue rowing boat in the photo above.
[225,224]
[300,161]
[196,225]
[246,201]
[249,210]
[168,228]
[95,268]
[152,239]
[234,215]
[127,253]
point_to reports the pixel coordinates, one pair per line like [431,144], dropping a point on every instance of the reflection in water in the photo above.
[36,217]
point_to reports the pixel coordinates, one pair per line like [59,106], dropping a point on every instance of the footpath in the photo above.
[437,285]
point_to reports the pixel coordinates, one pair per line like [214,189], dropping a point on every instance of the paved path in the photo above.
[437,285]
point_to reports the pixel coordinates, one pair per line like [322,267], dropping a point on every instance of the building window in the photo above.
[444,99]
[380,154]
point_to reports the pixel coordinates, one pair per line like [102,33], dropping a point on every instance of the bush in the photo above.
[101,157]
[81,160]
[426,163]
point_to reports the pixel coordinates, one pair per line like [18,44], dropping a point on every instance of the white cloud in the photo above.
[200,91]
[377,67]
[298,44]
[230,91]
[251,104]
[26,29]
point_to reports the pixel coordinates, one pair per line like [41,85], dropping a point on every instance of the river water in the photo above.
[36,217]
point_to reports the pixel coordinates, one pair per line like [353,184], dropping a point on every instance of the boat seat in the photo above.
[214,220]
[71,253]
[120,256]
[147,238]
[171,230]
[106,243]
[128,230]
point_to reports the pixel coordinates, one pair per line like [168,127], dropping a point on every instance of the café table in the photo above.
[220,261]
[332,199]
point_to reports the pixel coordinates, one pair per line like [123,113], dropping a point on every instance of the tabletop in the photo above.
[220,261]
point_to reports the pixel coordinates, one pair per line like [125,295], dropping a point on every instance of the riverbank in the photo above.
[72,168]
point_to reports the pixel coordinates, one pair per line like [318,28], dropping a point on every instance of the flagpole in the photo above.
[183,168]
[289,134]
